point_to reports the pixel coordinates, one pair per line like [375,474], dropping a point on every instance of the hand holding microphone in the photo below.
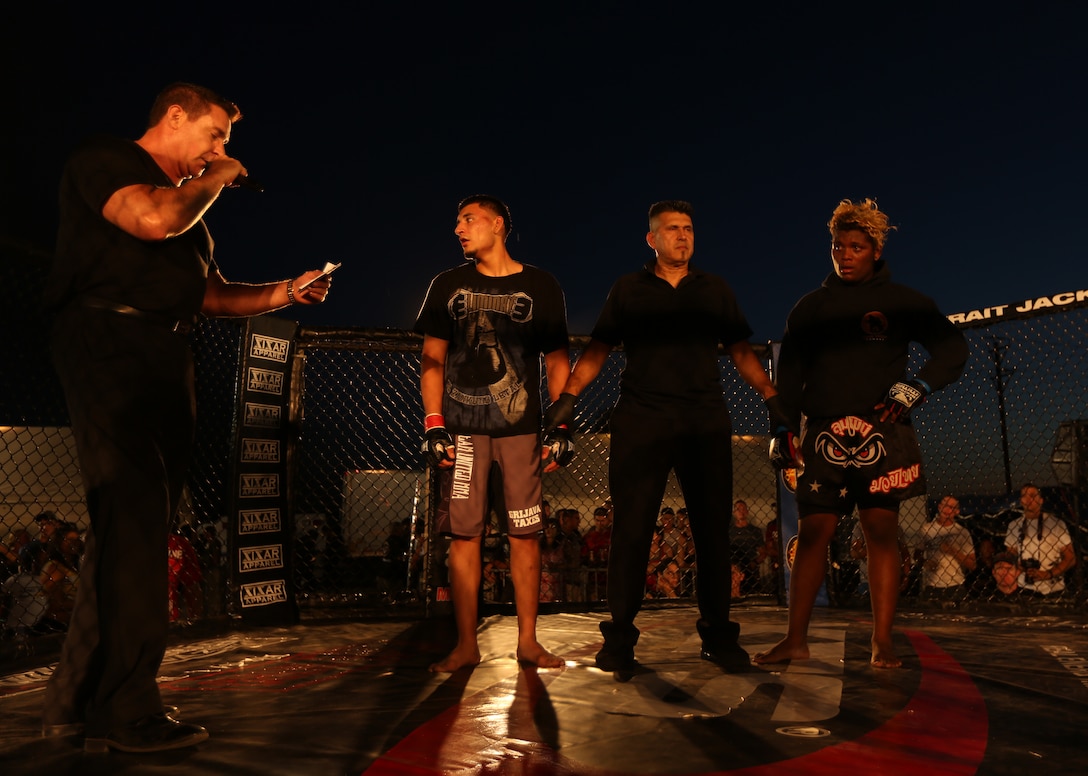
[245,182]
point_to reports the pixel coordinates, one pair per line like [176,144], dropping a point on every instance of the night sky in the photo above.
[966,121]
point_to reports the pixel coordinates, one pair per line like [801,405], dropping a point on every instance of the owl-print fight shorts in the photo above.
[500,474]
[857,461]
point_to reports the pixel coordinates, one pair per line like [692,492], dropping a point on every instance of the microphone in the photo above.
[245,182]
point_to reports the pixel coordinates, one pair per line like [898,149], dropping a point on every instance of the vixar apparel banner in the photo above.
[261,532]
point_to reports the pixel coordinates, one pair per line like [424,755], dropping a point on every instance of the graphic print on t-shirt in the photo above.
[483,380]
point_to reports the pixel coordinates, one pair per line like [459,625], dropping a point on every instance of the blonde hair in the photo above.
[863,216]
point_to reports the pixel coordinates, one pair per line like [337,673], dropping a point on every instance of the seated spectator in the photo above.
[1042,543]
[551,561]
[670,582]
[949,553]
[746,545]
[23,599]
[60,573]
[48,526]
[595,546]
[661,554]
[1006,569]
[184,577]
[673,532]
[570,528]
[495,571]
[860,553]
[9,552]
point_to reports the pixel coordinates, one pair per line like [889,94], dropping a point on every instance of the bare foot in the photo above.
[455,660]
[537,656]
[884,656]
[782,652]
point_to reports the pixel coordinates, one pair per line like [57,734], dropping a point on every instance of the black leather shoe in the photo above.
[76,728]
[731,657]
[153,733]
[612,659]
[62,730]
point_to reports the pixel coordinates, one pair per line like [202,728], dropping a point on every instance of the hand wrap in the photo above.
[561,413]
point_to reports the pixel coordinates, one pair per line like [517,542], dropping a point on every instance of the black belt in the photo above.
[177,326]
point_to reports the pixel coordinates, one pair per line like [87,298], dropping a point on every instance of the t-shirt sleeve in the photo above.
[102,166]
[554,335]
[607,329]
[433,320]
[735,326]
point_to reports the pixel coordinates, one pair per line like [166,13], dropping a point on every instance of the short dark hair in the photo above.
[670,206]
[494,204]
[195,100]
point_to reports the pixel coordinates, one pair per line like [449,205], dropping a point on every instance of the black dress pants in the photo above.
[647,442]
[129,390]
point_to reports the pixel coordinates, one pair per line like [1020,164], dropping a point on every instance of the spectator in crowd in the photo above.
[687,562]
[570,522]
[747,544]
[9,551]
[949,553]
[551,562]
[674,535]
[60,572]
[860,553]
[1004,579]
[669,581]
[23,596]
[595,546]
[1042,543]
[596,539]
[661,554]
[184,575]
[49,526]
[495,557]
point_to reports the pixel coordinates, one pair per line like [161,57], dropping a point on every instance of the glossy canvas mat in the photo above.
[975,695]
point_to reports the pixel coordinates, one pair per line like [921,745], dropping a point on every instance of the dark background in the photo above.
[366,125]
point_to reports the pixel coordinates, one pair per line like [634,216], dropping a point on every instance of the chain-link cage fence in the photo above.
[362,493]
[360,499]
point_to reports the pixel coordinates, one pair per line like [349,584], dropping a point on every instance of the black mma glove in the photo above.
[777,412]
[436,440]
[783,448]
[561,413]
[560,440]
[901,399]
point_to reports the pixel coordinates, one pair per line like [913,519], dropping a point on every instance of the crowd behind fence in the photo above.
[360,498]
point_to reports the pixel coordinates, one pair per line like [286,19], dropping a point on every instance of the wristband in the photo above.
[433,420]
[291,291]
